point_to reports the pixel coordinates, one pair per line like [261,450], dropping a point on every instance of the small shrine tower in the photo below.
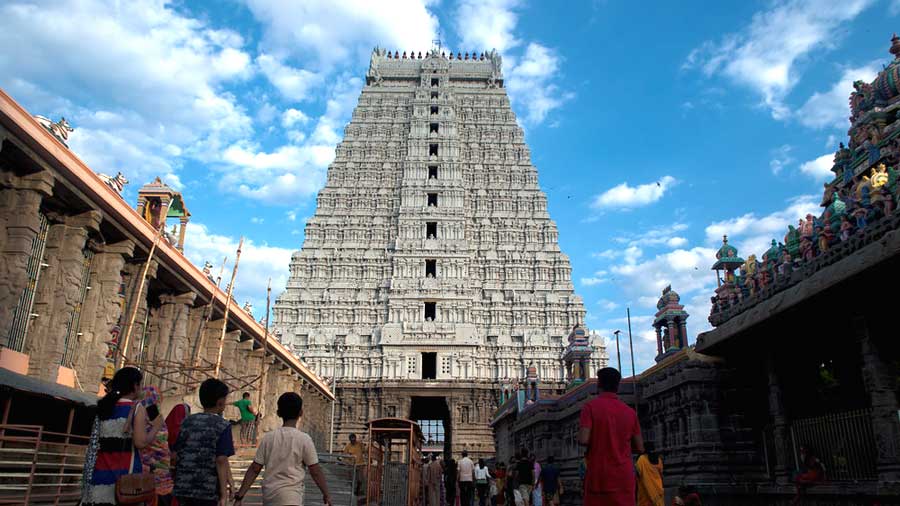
[157,202]
[727,261]
[577,357]
[670,324]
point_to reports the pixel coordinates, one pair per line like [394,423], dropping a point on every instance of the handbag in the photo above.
[135,488]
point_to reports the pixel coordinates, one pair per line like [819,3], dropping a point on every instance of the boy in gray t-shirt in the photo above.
[283,453]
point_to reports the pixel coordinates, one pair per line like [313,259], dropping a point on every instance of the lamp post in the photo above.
[618,353]
[630,343]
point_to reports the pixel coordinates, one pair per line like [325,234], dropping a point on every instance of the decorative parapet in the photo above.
[385,65]
[858,205]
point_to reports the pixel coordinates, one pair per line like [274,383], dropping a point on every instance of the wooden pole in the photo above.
[123,350]
[234,271]
[214,285]
[265,360]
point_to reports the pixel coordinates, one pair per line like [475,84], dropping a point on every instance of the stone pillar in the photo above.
[58,293]
[171,348]
[659,346]
[139,297]
[102,311]
[783,458]
[670,324]
[880,382]
[20,206]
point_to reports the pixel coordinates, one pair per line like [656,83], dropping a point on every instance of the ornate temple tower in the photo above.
[670,324]
[430,273]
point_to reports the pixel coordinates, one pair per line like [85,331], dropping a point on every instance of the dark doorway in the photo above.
[433,416]
[432,172]
[430,268]
[429,365]
[432,199]
[430,311]
[432,149]
[431,229]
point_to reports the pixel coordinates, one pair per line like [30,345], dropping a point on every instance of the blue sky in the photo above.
[655,126]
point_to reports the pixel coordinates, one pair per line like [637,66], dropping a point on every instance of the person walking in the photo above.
[285,453]
[451,472]
[433,472]
[649,469]
[482,486]
[248,417]
[610,430]
[202,472]
[501,477]
[156,456]
[549,481]
[537,495]
[121,429]
[356,455]
[466,480]
[525,476]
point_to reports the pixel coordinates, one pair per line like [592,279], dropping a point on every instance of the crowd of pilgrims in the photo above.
[137,456]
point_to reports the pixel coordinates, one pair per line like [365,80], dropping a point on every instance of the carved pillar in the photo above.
[135,297]
[101,313]
[171,347]
[783,459]
[880,382]
[659,345]
[20,206]
[58,292]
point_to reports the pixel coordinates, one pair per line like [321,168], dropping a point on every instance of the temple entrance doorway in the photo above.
[433,416]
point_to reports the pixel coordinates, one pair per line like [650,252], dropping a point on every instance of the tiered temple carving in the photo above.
[431,266]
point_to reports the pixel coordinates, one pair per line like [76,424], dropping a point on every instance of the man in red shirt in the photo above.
[610,430]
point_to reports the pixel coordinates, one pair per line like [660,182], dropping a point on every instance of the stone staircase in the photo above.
[338,476]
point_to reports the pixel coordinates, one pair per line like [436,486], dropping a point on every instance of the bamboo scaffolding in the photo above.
[234,271]
[123,350]
[265,359]
[198,343]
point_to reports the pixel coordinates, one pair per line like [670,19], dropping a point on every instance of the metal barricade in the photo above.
[843,442]
[39,467]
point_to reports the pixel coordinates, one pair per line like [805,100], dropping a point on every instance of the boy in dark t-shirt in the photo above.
[202,472]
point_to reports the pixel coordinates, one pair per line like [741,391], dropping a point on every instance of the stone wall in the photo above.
[88,252]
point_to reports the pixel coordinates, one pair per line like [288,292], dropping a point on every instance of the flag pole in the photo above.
[234,271]
[630,343]
[265,369]
[198,344]
[123,350]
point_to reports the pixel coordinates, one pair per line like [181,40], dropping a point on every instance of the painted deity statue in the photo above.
[846,228]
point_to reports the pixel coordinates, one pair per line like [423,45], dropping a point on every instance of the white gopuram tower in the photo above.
[431,277]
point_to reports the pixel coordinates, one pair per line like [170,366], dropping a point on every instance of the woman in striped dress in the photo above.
[120,430]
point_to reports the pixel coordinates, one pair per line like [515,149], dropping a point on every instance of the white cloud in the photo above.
[607,305]
[256,220]
[296,170]
[146,117]
[276,176]
[831,109]
[293,83]
[259,262]
[820,168]
[781,157]
[292,116]
[765,54]
[291,215]
[624,196]
[753,234]
[530,83]
[598,278]
[487,24]
[335,32]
